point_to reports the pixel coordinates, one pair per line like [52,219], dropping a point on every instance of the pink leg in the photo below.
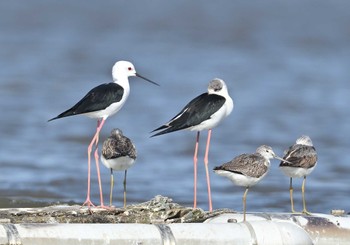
[88,201]
[94,140]
[195,160]
[100,125]
[206,161]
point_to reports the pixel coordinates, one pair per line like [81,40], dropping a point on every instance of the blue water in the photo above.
[286,65]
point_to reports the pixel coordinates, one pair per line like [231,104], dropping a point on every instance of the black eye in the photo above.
[129,68]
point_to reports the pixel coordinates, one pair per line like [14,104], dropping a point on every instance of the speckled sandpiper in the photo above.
[299,161]
[248,169]
[119,154]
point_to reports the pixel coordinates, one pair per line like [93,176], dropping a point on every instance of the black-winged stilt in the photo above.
[302,159]
[100,103]
[205,111]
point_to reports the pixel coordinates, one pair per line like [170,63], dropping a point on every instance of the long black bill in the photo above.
[138,75]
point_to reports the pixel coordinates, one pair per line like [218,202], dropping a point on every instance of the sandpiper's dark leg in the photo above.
[111,190]
[244,199]
[291,195]
[124,183]
[303,195]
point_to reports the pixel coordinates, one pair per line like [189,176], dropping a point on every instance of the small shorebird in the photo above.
[299,161]
[100,103]
[247,169]
[205,111]
[118,153]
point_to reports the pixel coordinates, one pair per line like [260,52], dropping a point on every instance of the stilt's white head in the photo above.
[124,69]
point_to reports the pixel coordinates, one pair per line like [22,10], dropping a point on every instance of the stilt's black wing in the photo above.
[98,98]
[196,111]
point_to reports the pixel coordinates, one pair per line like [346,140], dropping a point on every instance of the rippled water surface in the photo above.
[286,65]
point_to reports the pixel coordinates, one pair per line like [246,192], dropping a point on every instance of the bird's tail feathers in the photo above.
[63,114]
[217,168]
[167,129]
